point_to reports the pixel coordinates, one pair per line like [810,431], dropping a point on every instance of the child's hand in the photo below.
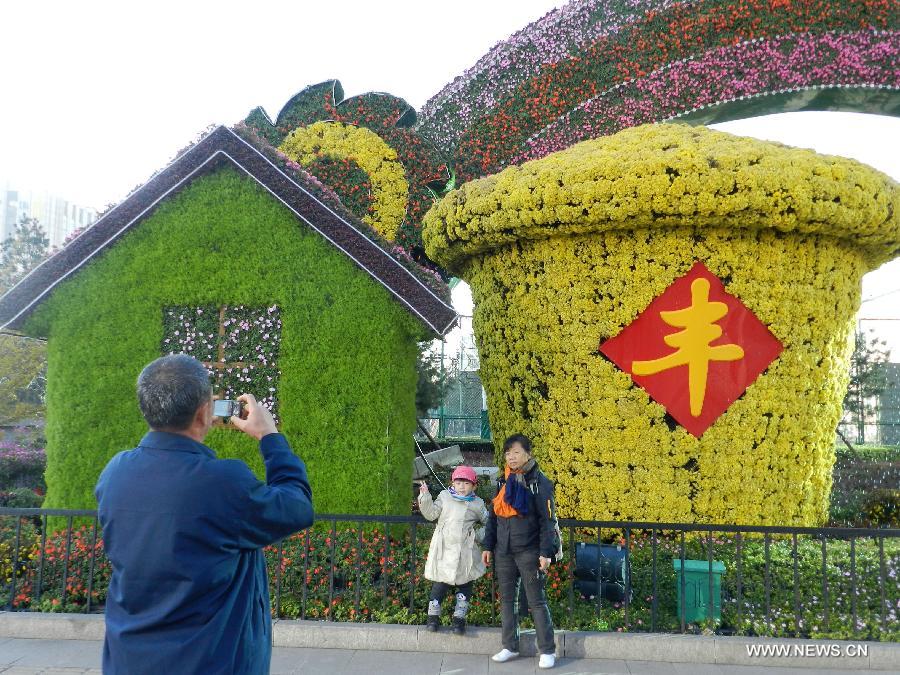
[423,487]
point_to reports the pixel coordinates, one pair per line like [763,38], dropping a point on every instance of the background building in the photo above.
[58,216]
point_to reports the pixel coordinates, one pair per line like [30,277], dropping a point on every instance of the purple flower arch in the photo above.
[594,67]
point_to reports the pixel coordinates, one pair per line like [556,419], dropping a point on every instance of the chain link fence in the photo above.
[462,412]
[875,420]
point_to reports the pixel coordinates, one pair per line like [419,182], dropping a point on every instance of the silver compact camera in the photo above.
[227,408]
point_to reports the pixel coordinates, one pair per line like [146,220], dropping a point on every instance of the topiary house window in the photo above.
[238,345]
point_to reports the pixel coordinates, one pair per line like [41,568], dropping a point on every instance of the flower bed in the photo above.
[593,67]
[21,466]
[364,149]
[21,475]
[351,574]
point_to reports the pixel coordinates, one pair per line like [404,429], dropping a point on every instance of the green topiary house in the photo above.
[233,255]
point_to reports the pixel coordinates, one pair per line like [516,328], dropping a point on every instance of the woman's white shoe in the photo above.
[547,661]
[504,655]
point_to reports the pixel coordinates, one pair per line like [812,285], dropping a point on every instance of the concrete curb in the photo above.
[662,647]
[52,626]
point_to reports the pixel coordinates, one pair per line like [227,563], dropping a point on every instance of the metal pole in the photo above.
[441,424]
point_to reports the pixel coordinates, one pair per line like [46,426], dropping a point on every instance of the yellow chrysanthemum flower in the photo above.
[562,253]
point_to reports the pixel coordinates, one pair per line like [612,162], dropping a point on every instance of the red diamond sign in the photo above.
[695,349]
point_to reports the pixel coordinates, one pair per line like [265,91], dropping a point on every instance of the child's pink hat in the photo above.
[464,473]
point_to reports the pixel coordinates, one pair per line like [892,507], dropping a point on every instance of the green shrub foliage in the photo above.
[882,508]
[346,393]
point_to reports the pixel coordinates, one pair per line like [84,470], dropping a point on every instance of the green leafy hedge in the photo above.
[868,453]
[347,356]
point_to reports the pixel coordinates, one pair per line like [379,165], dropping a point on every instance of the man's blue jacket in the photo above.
[184,532]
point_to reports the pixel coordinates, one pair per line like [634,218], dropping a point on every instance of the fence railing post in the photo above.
[740,589]
[711,613]
[825,577]
[305,596]
[797,618]
[655,603]
[881,576]
[329,611]
[279,573]
[359,546]
[40,577]
[853,581]
[65,581]
[625,573]
[683,606]
[862,580]
[90,584]
[412,567]
[571,574]
[768,584]
[599,573]
[384,566]
[14,571]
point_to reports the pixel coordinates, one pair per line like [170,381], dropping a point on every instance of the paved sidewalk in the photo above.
[58,643]
[23,656]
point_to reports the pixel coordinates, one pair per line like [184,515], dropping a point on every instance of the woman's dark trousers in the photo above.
[510,568]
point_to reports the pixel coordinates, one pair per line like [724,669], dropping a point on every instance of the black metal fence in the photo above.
[628,576]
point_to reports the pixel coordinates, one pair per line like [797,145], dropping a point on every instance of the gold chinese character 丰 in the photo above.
[693,343]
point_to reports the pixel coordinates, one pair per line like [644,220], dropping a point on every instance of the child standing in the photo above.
[454,558]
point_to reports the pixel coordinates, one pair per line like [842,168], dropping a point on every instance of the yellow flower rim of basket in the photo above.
[390,190]
[670,176]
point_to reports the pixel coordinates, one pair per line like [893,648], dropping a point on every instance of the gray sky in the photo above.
[99,95]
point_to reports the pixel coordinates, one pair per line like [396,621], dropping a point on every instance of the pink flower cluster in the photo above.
[239,346]
[551,39]
[19,454]
[751,69]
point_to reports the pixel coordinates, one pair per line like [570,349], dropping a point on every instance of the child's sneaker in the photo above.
[504,655]
[547,661]
[434,615]
[459,614]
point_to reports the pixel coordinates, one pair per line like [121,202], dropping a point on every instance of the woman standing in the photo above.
[521,534]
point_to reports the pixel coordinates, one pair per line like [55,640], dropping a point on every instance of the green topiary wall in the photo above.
[347,390]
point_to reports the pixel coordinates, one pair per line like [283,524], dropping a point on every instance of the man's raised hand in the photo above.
[255,419]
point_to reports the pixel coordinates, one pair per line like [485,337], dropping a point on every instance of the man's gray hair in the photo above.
[171,389]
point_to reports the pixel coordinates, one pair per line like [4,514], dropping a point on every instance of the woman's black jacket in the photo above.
[535,531]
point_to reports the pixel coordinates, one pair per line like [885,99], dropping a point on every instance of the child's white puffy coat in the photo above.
[454,556]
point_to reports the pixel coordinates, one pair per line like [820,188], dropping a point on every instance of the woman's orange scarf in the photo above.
[501,508]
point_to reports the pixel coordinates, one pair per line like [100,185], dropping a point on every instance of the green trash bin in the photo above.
[696,589]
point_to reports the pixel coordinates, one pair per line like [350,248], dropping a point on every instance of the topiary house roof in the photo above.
[224,147]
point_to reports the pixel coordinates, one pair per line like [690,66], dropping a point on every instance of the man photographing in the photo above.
[184,532]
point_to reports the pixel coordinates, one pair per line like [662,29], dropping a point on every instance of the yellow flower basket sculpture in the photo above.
[567,252]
